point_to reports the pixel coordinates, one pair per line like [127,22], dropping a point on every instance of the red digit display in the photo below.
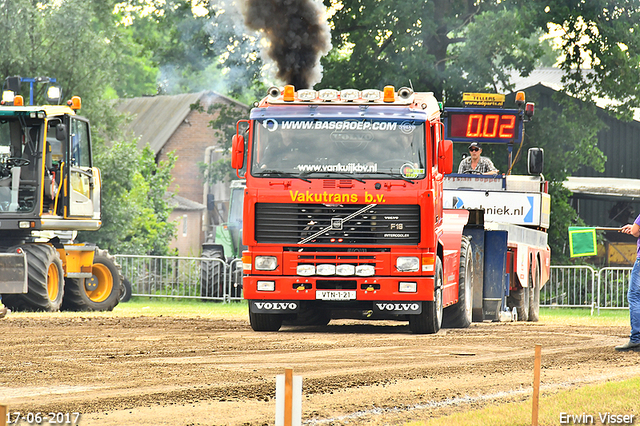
[482,126]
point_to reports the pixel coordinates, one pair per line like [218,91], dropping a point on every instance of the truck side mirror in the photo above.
[445,157]
[535,161]
[61,132]
[237,151]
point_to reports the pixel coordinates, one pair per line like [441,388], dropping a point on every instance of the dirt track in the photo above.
[195,371]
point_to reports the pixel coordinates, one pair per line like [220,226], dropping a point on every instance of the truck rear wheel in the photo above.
[265,322]
[519,299]
[460,314]
[534,295]
[45,280]
[430,320]
[101,292]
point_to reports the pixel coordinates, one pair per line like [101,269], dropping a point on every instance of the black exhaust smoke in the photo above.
[298,37]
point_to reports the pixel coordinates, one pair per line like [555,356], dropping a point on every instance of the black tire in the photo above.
[519,299]
[125,291]
[534,299]
[460,315]
[101,292]
[236,279]
[265,322]
[45,280]
[212,284]
[430,320]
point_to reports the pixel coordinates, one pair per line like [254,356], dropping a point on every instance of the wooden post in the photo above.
[3,415]
[288,396]
[536,386]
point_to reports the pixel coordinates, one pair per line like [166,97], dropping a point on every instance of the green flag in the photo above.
[582,241]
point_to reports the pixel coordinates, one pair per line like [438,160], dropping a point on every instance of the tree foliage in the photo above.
[79,43]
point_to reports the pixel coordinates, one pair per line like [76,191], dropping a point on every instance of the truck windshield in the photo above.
[356,149]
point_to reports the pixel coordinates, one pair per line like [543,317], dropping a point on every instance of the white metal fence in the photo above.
[183,277]
[585,287]
[214,279]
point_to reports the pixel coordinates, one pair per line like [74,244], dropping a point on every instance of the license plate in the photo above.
[335,295]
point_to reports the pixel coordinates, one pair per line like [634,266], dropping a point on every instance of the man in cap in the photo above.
[475,163]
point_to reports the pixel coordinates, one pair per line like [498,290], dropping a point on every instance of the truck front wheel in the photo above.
[430,320]
[265,322]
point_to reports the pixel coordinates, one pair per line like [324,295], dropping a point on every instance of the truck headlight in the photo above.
[408,264]
[345,270]
[365,270]
[266,263]
[266,286]
[408,287]
[305,270]
[326,269]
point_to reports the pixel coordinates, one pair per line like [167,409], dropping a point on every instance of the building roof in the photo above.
[552,78]
[156,118]
[183,204]
[604,188]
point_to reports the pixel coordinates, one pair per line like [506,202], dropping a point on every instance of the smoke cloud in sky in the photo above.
[298,36]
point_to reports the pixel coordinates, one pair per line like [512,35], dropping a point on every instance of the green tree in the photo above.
[80,44]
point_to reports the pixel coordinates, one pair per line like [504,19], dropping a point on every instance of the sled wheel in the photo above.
[101,292]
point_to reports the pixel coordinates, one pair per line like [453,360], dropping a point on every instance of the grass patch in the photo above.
[579,316]
[616,398]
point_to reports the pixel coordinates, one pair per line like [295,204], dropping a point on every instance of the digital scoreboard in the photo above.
[483,125]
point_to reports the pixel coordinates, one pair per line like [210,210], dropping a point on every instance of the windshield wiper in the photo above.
[279,173]
[395,175]
[332,172]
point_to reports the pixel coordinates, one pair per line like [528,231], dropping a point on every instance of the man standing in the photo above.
[475,163]
[634,292]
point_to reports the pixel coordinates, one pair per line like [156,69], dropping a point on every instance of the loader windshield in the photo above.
[19,160]
[355,149]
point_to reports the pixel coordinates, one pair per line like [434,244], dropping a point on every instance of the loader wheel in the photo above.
[430,320]
[460,314]
[534,295]
[126,291]
[265,322]
[101,292]
[45,280]
[211,270]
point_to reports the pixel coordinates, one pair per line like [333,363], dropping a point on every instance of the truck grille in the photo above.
[381,224]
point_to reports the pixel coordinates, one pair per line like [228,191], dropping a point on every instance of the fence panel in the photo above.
[182,277]
[613,287]
[570,286]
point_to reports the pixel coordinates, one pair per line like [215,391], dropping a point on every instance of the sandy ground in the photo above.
[154,370]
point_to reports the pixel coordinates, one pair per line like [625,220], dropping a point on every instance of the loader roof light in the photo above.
[8,96]
[307,95]
[289,93]
[18,100]
[520,98]
[54,95]
[75,102]
[389,94]
[274,92]
[328,94]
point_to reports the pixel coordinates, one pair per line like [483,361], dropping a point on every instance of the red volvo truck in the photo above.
[344,214]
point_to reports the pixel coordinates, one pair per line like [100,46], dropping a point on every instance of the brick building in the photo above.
[166,124]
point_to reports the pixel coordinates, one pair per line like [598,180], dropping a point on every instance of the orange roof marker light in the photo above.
[289,93]
[389,94]
[75,102]
[520,98]
[18,100]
